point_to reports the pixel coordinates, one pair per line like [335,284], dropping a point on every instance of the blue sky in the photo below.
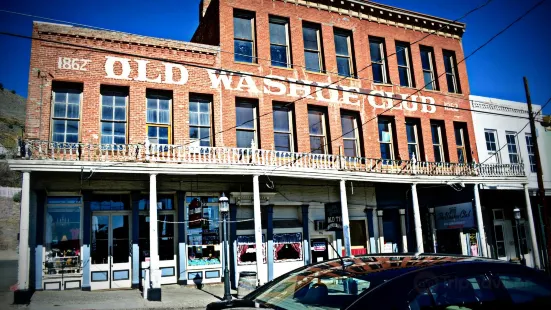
[495,71]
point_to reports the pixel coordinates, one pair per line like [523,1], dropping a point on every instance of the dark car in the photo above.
[426,281]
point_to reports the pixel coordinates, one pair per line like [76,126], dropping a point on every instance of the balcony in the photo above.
[268,160]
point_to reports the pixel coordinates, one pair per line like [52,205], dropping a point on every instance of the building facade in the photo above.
[507,139]
[326,143]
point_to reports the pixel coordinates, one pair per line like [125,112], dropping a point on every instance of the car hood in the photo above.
[234,304]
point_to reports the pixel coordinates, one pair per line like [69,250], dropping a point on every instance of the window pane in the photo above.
[71,138]
[204,133]
[450,79]
[343,66]
[193,118]
[106,128]
[60,109]
[447,63]
[119,140]
[278,33]
[151,116]
[244,116]
[106,139]
[164,117]
[163,132]
[242,27]
[278,55]
[385,151]
[74,97]
[204,106]
[425,59]
[164,104]
[244,138]
[460,155]
[60,97]
[435,136]
[310,37]
[281,120]
[72,127]
[413,149]
[106,100]
[428,80]
[204,119]
[120,129]
[525,289]
[458,134]
[341,44]
[73,111]
[312,61]
[410,131]
[375,51]
[437,154]
[317,145]
[120,101]
[243,51]
[348,127]
[350,148]
[315,122]
[193,132]
[377,72]
[151,103]
[384,132]
[282,142]
[152,133]
[401,55]
[193,106]
[404,76]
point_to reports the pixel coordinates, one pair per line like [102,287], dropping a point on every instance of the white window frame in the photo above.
[158,124]
[391,134]
[516,144]
[251,16]
[283,107]
[254,130]
[356,138]
[440,144]
[113,121]
[349,48]
[531,155]
[495,153]
[405,47]
[463,146]
[450,56]
[323,130]
[430,53]
[416,135]
[381,44]
[197,142]
[54,118]
[317,28]
[285,22]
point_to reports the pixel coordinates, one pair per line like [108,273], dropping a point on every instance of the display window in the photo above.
[203,231]
[287,247]
[63,237]
[165,227]
[246,250]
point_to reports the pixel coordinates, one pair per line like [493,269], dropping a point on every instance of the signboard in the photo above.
[319,246]
[454,216]
[388,247]
[333,216]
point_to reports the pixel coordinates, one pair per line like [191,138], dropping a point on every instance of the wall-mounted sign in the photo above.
[333,216]
[319,246]
[454,216]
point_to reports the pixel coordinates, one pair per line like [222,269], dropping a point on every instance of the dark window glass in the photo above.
[199,121]
[279,45]
[349,134]
[429,71]
[526,289]
[66,114]
[318,138]
[312,47]
[113,116]
[283,135]
[343,42]
[246,124]
[378,66]
[243,34]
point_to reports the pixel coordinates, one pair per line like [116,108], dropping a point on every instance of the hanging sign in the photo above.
[333,216]
[454,216]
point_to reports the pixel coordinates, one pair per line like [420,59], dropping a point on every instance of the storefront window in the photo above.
[287,247]
[246,250]
[165,227]
[203,231]
[62,235]
[110,202]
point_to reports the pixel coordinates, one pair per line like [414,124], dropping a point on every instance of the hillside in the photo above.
[12,117]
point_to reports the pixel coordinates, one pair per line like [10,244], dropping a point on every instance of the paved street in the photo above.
[8,277]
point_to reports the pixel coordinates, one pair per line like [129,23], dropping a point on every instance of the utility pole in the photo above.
[541,189]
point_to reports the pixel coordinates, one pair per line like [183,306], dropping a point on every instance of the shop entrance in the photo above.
[110,261]
[449,241]
[320,251]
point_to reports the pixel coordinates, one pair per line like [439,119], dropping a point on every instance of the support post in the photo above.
[270,241]
[533,237]
[22,295]
[233,242]
[375,223]
[345,220]
[182,248]
[86,240]
[433,230]
[305,234]
[257,227]
[403,230]
[480,222]
[154,292]
[381,239]
[417,219]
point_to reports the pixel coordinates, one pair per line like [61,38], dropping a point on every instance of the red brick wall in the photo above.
[208,31]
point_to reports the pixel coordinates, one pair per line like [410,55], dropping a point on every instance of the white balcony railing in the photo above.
[187,154]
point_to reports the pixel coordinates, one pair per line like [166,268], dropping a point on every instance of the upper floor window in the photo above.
[283,128]
[378,60]
[279,42]
[113,114]
[512,147]
[492,145]
[66,112]
[350,134]
[429,68]
[413,132]
[386,137]
[461,142]
[405,70]
[246,123]
[438,138]
[452,77]
[200,121]
[313,57]
[531,152]
[343,49]
[158,116]
[318,131]
[244,36]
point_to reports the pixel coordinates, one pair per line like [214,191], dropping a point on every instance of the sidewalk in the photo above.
[173,297]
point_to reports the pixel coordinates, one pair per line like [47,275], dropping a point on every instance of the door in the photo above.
[505,244]
[320,251]
[110,264]
[525,242]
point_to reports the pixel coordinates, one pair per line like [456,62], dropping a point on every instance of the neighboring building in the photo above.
[507,139]
[130,122]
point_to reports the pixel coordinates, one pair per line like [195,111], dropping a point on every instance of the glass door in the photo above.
[110,253]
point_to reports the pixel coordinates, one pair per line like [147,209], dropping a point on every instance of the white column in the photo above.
[417,219]
[345,220]
[23,274]
[375,223]
[535,248]
[463,240]
[433,230]
[480,223]
[403,229]
[153,236]
[257,228]
[381,231]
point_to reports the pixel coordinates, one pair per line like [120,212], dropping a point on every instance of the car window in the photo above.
[526,288]
[450,291]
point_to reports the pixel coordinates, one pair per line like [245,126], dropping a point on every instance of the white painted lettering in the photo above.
[427,105]
[110,68]
[169,77]
[392,102]
[269,83]
[331,89]
[142,72]
[294,88]
[247,81]
[349,93]
[371,99]
[217,78]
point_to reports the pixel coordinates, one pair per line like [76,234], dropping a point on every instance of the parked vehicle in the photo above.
[413,282]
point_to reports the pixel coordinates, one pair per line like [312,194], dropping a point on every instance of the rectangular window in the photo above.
[452,77]
[165,227]
[386,137]
[203,231]
[287,247]
[413,132]
[66,112]
[158,116]
[405,70]
[350,134]
[246,123]
[438,138]
[279,42]
[343,49]
[114,101]
[378,60]
[461,142]
[531,152]
[318,131]
[244,36]
[246,250]
[512,147]
[492,145]
[283,128]
[200,121]
[429,68]
[313,57]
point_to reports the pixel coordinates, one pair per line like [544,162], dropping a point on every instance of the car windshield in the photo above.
[330,286]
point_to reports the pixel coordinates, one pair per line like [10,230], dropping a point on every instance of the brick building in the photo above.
[278,105]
